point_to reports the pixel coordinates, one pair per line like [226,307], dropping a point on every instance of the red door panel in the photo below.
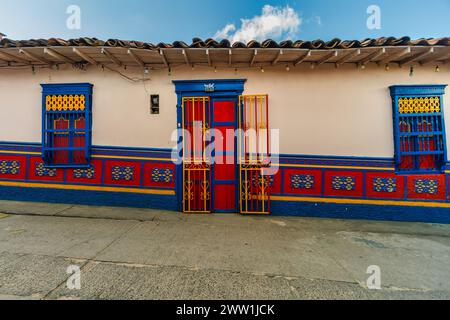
[225,148]
[225,197]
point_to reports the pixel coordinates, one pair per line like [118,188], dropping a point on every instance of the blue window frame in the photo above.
[67,124]
[419,128]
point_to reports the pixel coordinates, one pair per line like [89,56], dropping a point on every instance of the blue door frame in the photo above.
[216,90]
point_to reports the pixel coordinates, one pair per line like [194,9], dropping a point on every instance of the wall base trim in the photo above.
[361,212]
[86,197]
[408,203]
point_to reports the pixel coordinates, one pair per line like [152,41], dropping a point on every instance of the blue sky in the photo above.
[169,20]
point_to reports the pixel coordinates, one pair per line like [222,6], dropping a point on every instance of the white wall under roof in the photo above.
[325,111]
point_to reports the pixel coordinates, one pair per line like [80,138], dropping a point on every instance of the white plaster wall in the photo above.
[325,111]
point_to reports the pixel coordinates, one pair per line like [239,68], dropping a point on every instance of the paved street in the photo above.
[147,254]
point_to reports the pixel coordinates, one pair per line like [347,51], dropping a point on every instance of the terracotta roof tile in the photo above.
[211,43]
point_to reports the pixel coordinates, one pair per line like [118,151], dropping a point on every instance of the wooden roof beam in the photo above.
[348,57]
[279,55]
[372,56]
[208,57]
[136,58]
[254,56]
[10,58]
[32,56]
[435,58]
[163,57]
[395,56]
[186,58]
[230,57]
[111,57]
[57,55]
[416,57]
[84,56]
[305,56]
[327,57]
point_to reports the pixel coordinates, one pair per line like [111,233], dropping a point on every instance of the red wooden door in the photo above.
[225,167]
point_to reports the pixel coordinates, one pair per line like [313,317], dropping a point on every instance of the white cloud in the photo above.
[279,23]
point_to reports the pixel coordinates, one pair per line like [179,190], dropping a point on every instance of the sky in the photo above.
[238,20]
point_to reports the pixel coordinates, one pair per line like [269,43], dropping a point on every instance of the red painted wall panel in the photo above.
[385,185]
[38,171]
[13,167]
[426,187]
[303,182]
[344,183]
[92,175]
[123,173]
[159,175]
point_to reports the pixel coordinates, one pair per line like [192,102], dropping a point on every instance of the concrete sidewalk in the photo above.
[147,254]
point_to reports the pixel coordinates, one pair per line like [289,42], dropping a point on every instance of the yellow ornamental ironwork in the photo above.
[65,102]
[419,105]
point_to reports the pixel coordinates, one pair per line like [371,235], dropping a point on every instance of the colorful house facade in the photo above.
[342,129]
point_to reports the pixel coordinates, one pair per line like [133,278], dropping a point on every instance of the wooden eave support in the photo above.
[32,56]
[348,57]
[254,56]
[395,56]
[186,58]
[279,55]
[327,57]
[208,57]
[136,58]
[57,55]
[84,56]
[435,58]
[305,56]
[163,57]
[111,57]
[10,58]
[372,56]
[416,57]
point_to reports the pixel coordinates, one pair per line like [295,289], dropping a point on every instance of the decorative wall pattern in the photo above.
[302,181]
[42,171]
[88,173]
[344,183]
[388,185]
[162,175]
[426,186]
[123,173]
[315,179]
[9,167]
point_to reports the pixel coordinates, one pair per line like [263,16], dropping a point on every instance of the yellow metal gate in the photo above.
[254,154]
[196,164]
